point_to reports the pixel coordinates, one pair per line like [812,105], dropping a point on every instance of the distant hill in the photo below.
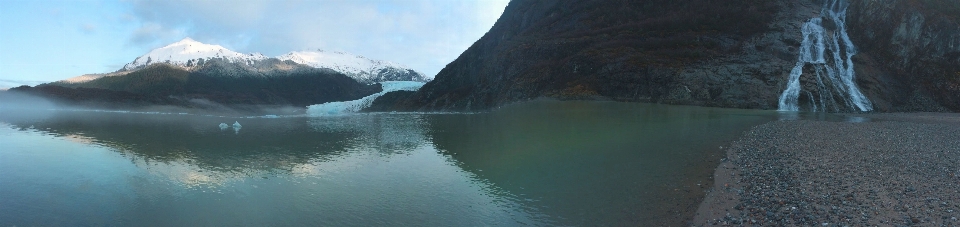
[218,82]
[191,74]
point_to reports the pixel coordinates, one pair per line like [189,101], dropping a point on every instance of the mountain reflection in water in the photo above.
[540,163]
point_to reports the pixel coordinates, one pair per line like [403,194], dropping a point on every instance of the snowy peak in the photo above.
[188,52]
[358,67]
[340,61]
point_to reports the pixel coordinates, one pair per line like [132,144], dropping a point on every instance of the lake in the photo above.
[541,163]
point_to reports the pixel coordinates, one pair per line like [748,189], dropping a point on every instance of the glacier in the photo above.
[831,58]
[353,106]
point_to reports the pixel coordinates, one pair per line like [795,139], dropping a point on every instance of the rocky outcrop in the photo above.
[710,53]
[389,101]
[697,52]
[909,53]
[393,74]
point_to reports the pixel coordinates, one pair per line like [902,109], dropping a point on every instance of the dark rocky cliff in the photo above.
[697,52]
[910,53]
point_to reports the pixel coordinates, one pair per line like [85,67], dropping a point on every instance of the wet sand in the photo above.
[897,169]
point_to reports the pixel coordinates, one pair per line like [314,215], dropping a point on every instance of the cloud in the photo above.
[151,33]
[422,34]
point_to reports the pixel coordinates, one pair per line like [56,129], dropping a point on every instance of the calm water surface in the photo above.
[541,163]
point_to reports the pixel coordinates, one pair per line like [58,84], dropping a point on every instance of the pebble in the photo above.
[882,172]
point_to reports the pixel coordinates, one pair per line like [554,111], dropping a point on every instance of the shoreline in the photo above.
[884,169]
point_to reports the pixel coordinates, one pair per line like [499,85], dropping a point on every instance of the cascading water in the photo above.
[831,60]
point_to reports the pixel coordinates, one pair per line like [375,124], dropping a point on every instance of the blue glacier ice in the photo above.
[347,107]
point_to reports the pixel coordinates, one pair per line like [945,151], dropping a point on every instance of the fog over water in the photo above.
[18,104]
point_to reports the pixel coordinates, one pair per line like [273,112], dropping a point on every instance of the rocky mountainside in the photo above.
[910,52]
[698,52]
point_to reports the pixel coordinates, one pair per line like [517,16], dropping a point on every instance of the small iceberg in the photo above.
[236,125]
[224,126]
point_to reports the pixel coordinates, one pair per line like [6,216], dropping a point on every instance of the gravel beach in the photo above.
[898,169]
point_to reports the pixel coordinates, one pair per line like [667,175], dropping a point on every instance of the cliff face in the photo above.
[696,52]
[910,53]
[699,52]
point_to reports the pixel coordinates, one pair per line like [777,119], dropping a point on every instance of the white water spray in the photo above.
[831,58]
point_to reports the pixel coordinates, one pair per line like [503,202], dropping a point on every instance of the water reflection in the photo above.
[362,170]
[389,133]
[570,163]
[820,116]
[608,164]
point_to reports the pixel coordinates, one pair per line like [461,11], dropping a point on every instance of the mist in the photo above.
[22,107]
[19,107]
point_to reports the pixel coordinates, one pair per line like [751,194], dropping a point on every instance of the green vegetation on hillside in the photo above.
[226,83]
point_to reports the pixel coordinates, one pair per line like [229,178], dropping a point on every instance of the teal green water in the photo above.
[540,163]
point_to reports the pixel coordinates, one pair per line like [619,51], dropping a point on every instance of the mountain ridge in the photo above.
[358,67]
[191,54]
[218,85]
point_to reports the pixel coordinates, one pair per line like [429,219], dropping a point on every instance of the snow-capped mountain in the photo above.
[340,61]
[358,67]
[188,52]
[191,54]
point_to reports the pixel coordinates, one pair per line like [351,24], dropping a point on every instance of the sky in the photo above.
[49,40]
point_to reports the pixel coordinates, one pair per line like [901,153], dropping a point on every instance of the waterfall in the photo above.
[830,56]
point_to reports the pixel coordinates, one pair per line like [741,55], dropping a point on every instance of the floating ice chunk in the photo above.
[236,125]
[224,126]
